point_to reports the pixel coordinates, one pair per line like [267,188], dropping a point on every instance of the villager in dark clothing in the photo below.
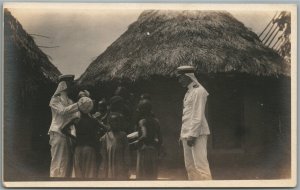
[114,151]
[101,116]
[117,104]
[127,108]
[86,158]
[149,140]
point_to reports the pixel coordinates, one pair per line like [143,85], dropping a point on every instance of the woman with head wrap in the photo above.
[114,151]
[149,142]
[194,130]
[86,159]
[62,130]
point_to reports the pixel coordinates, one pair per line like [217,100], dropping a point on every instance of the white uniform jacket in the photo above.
[194,121]
[63,112]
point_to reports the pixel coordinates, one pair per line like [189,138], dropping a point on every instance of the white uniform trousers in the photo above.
[195,159]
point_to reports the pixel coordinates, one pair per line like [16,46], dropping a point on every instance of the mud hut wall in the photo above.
[27,120]
[15,134]
[225,113]
[26,142]
[27,115]
[267,123]
[254,119]
[285,125]
[285,114]
[266,116]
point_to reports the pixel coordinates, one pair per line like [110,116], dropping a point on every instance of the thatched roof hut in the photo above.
[20,40]
[160,41]
[29,81]
[248,102]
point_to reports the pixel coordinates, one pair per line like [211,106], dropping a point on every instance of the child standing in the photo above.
[86,160]
[149,140]
[114,151]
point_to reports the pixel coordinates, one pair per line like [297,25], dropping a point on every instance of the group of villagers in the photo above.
[89,144]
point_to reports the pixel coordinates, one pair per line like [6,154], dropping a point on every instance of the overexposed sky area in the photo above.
[83,34]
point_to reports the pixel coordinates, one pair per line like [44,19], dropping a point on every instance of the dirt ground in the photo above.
[220,171]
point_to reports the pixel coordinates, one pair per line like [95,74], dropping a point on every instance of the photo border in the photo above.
[181,184]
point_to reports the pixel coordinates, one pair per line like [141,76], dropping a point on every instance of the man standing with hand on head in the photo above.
[194,130]
[62,129]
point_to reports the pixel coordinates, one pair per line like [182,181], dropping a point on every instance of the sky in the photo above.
[83,34]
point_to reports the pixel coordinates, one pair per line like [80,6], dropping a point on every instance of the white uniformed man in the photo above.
[62,130]
[194,130]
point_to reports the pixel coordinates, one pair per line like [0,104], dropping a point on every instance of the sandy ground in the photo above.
[219,172]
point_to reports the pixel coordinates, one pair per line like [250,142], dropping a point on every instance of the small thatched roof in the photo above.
[20,49]
[160,41]
[29,76]
[29,83]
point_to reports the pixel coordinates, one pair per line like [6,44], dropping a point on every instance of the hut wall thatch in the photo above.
[29,81]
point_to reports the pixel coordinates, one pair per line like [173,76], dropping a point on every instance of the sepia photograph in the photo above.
[149,95]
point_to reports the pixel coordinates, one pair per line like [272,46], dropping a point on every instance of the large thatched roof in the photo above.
[160,41]
[21,50]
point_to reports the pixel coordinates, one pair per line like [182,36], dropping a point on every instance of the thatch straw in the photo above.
[29,76]
[19,42]
[29,83]
[160,41]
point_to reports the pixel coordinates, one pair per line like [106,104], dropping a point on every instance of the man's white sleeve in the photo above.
[61,109]
[197,114]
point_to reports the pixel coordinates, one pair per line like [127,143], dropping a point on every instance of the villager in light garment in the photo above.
[115,161]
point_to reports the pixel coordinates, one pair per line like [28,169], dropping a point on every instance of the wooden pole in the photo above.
[276,28]
[278,45]
[278,39]
[267,25]
[267,33]
[273,38]
[278,50]
[270,28]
